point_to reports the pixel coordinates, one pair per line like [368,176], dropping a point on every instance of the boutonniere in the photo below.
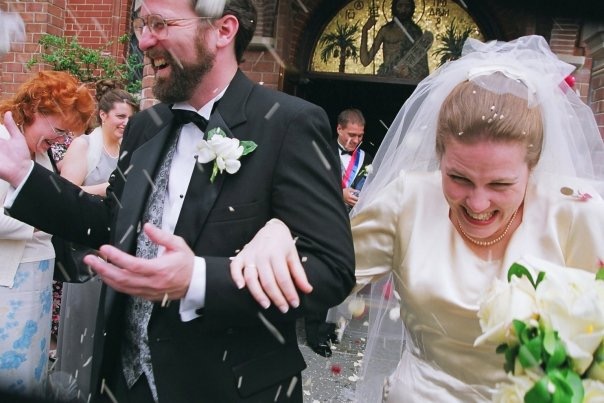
[224,151]
[367,170]
[578,195]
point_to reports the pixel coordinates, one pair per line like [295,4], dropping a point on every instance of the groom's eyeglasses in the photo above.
[157,25]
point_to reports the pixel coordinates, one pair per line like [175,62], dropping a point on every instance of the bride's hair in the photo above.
[471,113]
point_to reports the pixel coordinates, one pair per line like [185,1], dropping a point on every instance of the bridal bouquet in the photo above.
[548,322]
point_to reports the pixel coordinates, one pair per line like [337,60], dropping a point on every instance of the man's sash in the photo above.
[356,161]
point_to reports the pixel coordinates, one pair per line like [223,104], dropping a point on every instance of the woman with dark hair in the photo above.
[88,162]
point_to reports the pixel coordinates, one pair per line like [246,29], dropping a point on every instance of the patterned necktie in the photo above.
[136,355]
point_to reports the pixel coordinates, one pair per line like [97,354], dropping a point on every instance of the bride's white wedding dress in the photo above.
[440,281]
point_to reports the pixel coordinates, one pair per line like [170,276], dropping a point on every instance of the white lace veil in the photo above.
[572,146]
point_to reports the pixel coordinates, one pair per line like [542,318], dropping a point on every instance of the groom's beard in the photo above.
[182,82]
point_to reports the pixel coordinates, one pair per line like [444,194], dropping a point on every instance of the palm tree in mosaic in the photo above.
[452,41]
[340,44]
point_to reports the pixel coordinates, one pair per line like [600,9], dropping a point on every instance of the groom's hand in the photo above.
[15,159]
[166,277]
[270,268]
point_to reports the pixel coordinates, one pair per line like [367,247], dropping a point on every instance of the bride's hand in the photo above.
[269,266]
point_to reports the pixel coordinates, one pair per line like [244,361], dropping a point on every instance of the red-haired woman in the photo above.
[47,108]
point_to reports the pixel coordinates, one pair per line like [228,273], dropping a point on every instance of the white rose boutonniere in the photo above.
[367,170]
[224,151]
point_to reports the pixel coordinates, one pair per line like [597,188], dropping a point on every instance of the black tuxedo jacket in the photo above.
[228,354]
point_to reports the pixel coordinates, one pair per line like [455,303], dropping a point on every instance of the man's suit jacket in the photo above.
[229,353]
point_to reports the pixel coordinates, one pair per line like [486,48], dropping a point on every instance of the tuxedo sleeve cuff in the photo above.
[193,302]
[12,193]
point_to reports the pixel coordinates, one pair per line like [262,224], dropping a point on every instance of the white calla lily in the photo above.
[503,303]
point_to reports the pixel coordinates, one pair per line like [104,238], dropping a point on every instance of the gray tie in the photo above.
[136,355]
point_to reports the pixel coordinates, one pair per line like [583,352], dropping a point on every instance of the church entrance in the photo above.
[379,102]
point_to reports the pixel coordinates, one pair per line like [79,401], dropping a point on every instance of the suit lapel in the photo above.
[143,163]
[201,193]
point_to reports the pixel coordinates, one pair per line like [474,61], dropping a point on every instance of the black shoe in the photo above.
[333,337]
[321,349]
[327,332]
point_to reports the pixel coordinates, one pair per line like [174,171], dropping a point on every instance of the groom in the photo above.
[201,338]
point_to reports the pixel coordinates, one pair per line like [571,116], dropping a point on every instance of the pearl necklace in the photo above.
[493,241]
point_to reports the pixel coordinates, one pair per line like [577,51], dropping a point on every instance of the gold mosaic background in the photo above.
[431,15]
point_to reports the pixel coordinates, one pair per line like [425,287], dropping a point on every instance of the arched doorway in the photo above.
[339,68]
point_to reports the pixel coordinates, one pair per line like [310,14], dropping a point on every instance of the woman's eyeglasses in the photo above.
[157,24]
[63,136]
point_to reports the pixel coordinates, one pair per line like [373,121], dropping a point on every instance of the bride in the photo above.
[492,158]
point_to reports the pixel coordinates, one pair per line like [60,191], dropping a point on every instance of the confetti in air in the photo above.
[273,109]
[128,231]
[400,25]
[128,169]
[12,29]
[257,59]
[116,200]
[56,185]
[105,389]
[271,328]
[63,271]
[302,6]
[149,179]
[292,385]
[165,301]
[277,394]
[321,156]
[273,52]
[210,8]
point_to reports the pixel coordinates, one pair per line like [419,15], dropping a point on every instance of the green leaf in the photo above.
[248,146]
[555,350]
[529,355]
[540,278]
[215,131]
[519,270]
[574,382]
[214,172]
[600,274]
[519,327]
[539,393]
[510,359]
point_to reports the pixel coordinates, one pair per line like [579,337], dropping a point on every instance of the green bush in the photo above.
[88,64]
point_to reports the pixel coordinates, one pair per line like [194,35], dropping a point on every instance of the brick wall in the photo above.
[40,17]
[94,22]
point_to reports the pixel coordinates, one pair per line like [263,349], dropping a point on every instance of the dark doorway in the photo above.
[379,102]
